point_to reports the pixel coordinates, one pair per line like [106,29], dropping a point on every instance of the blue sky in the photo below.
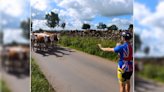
[77,12]
[149,24]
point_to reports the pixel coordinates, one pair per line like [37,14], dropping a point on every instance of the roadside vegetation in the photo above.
[39,83]
[90,45]
[155,72]
[4,87]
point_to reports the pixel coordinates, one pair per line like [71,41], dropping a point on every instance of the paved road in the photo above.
[69,70]
[16,82]
[146,85]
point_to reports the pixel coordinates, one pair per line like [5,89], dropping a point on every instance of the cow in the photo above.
[33,40]
[54,38]
[40,39]
[15,58]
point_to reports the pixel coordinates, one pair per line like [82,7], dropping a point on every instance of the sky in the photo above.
[148,17]
[77,12]
[12,13]
[149,24]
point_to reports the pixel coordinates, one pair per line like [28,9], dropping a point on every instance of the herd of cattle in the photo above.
[15,58]
[44,40]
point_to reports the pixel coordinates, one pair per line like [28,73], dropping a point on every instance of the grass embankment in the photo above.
[39,83]
[4,87]
[90,45]
[154,72]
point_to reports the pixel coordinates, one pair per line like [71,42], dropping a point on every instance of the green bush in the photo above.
[90,45]
[154,72]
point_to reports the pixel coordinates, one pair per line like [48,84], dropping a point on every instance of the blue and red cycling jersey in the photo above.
[125,56]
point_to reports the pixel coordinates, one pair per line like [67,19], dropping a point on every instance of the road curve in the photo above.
[70,70]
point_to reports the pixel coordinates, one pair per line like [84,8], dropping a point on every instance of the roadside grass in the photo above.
[90,45]
[39,83]
[154,72]
[4,87]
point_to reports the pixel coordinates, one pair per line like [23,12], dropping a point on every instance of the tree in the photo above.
[1,37]
[130,26]
[113,27]
[100,26]
[25,25]
[31,25]
[52,20]
[146,50]
[13,43]
[86,26]
[63,25]
[41,30]
[137,42]
[104,26]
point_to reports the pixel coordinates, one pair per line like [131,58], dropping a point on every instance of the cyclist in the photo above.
[125,64]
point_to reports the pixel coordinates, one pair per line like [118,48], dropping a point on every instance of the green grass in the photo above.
[90,45]
[39,83]
[154,72]
[4,87]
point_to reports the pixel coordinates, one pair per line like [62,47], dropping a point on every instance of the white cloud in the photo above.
[86,10]
[151,32]
[39,24]
[77,10]
[13,35]
[57,1]
[121,23]
[40,4]
[152,20]
[33,14]
[4,22]
[14,8]
[140,11]
[156,19]
[137,30]
[110,8]
[71,24]
[55,10]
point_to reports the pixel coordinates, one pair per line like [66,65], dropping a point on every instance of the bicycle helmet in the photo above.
[126,35]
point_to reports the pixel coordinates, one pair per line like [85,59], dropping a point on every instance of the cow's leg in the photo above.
[55,42]
[52,44]
[40,46]
[46,46]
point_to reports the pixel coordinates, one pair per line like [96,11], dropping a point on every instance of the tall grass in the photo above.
[154,72]
[90,45]
[4,87]
[39,83]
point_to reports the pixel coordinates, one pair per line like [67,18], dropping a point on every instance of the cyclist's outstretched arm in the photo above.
[106,49]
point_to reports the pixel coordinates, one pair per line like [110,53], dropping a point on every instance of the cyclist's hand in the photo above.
[99,45]
[118,44]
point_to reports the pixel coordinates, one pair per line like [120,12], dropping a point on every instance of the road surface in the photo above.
[16,82]
[70,70]
[146,85]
